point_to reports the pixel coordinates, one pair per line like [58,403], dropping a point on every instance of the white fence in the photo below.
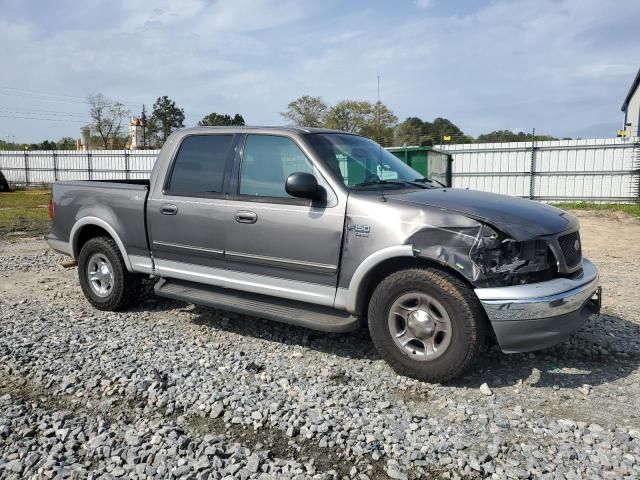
[41,167]
[606,170]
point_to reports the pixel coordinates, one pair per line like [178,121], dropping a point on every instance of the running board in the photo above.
[302,314]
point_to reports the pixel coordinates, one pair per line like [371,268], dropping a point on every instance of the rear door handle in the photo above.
[168,209]
[245,216]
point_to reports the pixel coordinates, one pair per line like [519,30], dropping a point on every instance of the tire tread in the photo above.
[475,331]
[126,283]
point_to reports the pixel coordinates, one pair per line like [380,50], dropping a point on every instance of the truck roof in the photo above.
[263,129]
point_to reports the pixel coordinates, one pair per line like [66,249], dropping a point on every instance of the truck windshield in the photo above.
[362,164]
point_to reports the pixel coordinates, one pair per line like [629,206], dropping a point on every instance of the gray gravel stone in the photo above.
[394,471]
[166,389]
[13,466]
[485,390]
[253,463]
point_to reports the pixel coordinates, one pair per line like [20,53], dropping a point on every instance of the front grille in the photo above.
[571,248]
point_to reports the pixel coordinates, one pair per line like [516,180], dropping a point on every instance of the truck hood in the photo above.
[521,219]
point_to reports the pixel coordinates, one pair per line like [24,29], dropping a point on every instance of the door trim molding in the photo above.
[188,247]
[322,268]
[248,282]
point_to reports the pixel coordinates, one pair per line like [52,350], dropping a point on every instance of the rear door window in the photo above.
[200,164]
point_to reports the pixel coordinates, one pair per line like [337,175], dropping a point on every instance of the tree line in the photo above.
[108,127]
[377,121]
[109,121]
[65,143]
[373,120]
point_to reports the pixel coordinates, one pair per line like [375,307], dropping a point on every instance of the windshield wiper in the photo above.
[390,182]
[431,180]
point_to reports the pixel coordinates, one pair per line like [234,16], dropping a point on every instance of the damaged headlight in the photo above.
[504,261]
[487,238]
[485,255]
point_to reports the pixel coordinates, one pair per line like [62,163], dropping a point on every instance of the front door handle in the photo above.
[245,216]
[168,209]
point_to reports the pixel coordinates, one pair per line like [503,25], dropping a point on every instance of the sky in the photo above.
[562,67]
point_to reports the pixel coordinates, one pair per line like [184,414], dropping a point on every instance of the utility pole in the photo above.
[144,128]
[164,125]
[532,181]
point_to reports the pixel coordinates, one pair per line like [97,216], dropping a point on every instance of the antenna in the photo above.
[382,197]
[378,109]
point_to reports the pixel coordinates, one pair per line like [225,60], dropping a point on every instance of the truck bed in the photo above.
[121,204]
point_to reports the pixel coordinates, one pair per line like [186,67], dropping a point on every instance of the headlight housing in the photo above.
[505,261]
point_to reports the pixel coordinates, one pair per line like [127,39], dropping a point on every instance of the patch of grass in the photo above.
[632,209]
[24,211]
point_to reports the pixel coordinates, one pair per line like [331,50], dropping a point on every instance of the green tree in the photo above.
[411,132]
[48,145]
[351,116]
[415,131]
[45,145]
[498,136]
[217,119]
[165,118]
[442,127]
[238,119]
[66,143]
[380,124]
[375,121]
[306,111]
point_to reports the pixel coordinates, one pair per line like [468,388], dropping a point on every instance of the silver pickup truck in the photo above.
[325,229]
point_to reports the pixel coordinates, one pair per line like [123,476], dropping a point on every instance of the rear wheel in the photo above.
[104,278]
[426,324]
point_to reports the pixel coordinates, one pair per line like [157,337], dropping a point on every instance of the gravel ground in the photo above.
[172,390]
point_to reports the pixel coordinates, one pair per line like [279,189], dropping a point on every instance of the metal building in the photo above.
[631,109]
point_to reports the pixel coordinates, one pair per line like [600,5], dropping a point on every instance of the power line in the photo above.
[50,97]
[42,99]
[45,119]
[43,112]
[41,93]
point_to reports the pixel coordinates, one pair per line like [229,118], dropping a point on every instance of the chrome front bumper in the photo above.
[538,315]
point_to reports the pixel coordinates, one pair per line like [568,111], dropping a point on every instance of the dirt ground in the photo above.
[612,242]
[49,334]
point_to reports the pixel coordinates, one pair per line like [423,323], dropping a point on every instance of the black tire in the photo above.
[4,185]
[467,321]
[125,286]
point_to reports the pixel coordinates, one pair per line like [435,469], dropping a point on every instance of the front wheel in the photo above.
[103,275]
[426,324]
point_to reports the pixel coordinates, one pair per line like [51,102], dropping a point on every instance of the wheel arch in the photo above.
[374,269]
[90,227]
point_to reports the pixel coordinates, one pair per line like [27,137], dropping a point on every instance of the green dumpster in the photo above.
[430,162]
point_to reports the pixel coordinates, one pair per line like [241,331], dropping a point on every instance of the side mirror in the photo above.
[303,185]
